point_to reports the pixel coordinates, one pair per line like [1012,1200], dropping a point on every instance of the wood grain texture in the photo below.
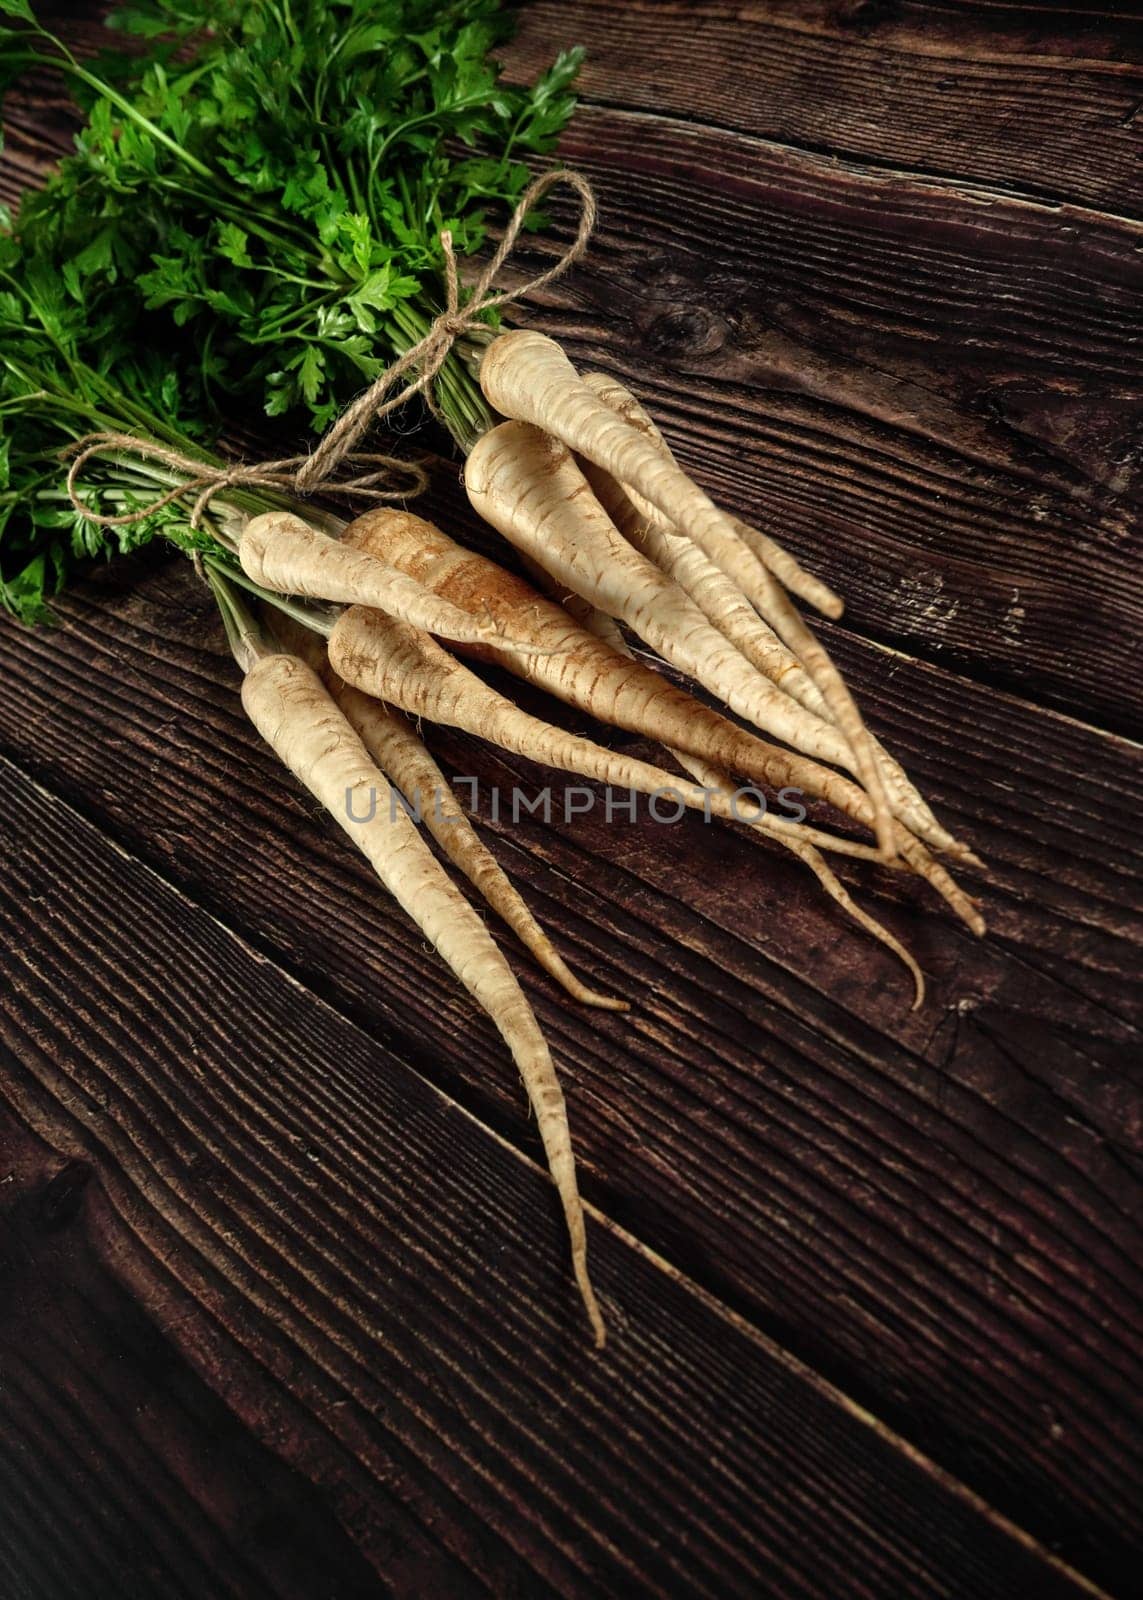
[307,1215]
[933,397]
[1039,99]
[121,1472]
[932,388]
[940,1211]
[933,393]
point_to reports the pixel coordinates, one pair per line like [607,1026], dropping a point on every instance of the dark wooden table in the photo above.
[285,1309]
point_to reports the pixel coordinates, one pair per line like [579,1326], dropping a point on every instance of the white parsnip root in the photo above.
[530,488]
[710,777]
[768,641]
[404,667]
[604,680]
[399,751]
[778,561]
[527,377]
[281,552]
[295,714]
[401,755]
[586,670]
[644,526]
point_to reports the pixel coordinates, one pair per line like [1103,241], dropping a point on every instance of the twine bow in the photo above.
[302,475]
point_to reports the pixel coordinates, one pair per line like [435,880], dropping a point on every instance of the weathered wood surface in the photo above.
[942,392]
[122,1472]
[933,392]
[309,1210]
[770,1118]
[1039,100]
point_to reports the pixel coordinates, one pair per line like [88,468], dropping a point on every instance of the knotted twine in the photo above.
[302,475]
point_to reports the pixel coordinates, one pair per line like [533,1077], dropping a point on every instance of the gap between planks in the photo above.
[807,22]
[1007,696]
[18,172]
[872,168]
[772,1349]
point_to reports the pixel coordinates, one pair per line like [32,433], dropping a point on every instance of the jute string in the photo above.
[370,474]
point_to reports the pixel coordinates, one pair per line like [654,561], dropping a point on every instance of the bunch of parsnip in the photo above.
[582,484]
[289,212]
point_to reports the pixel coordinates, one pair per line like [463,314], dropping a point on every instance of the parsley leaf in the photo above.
[252,211]
[290,158]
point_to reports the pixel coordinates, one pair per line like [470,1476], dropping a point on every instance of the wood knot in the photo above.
[62,1196]
[686,331]
[866,13]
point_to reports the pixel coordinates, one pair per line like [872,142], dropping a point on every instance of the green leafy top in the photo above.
[63,378]
[51,396]
[254,206]
[274,176]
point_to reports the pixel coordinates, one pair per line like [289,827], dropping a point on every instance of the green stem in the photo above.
[242,634]
[196,166]
[272,228]
[70,64]
[464,103]
[317,622]
[456,393]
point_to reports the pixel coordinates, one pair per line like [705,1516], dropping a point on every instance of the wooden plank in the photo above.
[1019,97]
[375,1285]
[932,397]
[940,1210]
[121,1471]
[931,393]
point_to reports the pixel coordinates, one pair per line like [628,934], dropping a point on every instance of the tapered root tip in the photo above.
[573,1213]
[831,606]
[602,1002]
[591,1305]
[580,992]
[966,910]
[967,857]
[949,890]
